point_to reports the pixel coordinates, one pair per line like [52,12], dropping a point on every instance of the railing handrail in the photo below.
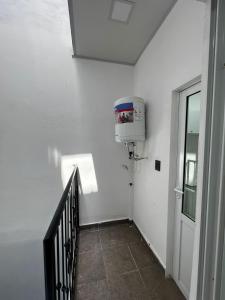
[57,215]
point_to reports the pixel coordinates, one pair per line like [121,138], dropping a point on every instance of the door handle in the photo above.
[178,190]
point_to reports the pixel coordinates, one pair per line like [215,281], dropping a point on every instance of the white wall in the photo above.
[52,107]
[173,58]
[21,274]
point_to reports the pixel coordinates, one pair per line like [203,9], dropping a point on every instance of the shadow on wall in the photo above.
[67,163]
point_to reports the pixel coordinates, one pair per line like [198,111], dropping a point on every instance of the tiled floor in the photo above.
[114,263]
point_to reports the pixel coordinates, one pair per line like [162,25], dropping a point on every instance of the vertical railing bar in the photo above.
[63,272]
[73,231]
[68,241]
[77,205]
[56,268]
[71,240]
[75,225]
[58,264]
[65,245]
[49,260]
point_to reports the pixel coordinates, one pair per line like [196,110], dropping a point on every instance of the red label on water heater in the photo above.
[124,113]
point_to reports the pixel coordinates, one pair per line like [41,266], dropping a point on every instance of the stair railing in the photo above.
[61,244]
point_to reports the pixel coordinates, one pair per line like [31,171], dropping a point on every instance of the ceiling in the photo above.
[96,36]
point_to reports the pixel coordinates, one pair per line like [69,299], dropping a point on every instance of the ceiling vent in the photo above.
[121,10]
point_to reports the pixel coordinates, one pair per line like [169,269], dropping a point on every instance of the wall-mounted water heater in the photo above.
[130,122]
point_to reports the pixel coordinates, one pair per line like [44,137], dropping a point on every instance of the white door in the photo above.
[186,186]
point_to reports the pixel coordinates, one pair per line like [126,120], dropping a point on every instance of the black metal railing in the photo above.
[61,243]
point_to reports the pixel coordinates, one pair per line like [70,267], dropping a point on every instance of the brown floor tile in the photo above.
[90,228]
[103,226]
[115,264]
[117,260]
[134,284]
[95,290]
[152,276]
[110,239]
[128,286]
[113,236]
[168,290]
[142,255]
[89,241]
[90,267]
[133,235]
[118,235]
[117,287]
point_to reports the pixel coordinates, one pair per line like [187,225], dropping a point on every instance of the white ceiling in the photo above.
[96,36]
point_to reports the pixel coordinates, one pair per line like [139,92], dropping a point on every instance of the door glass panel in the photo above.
[191,155]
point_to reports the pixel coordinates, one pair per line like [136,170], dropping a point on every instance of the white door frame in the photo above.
[173,172]
[182,221]
[213,206]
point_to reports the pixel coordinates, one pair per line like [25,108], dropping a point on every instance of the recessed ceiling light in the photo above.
[121,10]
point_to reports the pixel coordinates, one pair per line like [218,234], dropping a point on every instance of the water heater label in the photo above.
[124,113]
[138,113]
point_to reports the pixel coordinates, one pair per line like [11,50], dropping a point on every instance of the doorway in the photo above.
[185,190]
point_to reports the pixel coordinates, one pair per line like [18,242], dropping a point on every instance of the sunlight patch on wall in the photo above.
[86,167]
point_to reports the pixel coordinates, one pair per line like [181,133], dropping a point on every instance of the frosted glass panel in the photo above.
[191,155]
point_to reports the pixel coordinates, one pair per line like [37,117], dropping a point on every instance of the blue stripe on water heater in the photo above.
[124,106]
